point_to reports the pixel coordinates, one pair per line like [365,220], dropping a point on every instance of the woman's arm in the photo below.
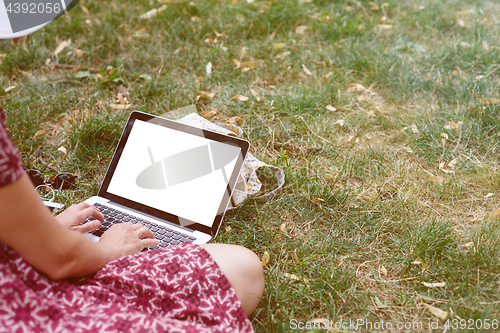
[27,226]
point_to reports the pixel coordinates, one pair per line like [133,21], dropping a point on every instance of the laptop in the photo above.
[175,179]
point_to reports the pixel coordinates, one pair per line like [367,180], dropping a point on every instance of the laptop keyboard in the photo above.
[168,237]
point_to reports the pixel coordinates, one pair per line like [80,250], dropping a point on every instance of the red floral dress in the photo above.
[178,289]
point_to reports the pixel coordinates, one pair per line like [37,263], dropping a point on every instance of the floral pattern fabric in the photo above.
[178,289]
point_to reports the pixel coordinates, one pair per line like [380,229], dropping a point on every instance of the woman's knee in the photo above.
[243,270]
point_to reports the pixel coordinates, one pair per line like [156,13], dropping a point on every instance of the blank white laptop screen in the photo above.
[175,172]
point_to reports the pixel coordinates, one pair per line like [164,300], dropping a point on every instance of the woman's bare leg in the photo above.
[244,271]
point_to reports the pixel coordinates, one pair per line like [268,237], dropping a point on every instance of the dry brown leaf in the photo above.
[38,133]
[383,270]
[283,228]
[61,46]
[120,106]
[340,122]
[355,87]
[306,70]
[235,120]
[239,98]
[9,88]
[495,213]
[317,200]
[236,62]
[331,108]
[296,278]
[444,137]
[301,29]
[423,265]
[385,26]
[295,256]
[85,10]
[452,124]
[208,68]
[436,311]
[435,179]
[62,149]
[249,64]
[278,46]
[153,12]
[208,114]
[256,95]
[434,285]
[122,94]
[265,259]
[489,100]
[205,95]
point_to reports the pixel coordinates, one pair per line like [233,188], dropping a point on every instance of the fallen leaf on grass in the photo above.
[256,95]
[239,98]
[489,101]
[278,46]
[228,229]
[434,285]
[383,270]
[340,122]
[301,29]
[461,22]
[444,137]
[385,26]
[38,133]
[208,114]
[235,120]
[122,94]
[115,106]
[62,149]
[495,213]
[423,266]
[283,228]
[295,256]
[306,70]
[488,195]
[355,87]
[435,179]
[452,124]
[9,88]
[436,311]
[296,278]
[208,68]
[265,259]
[62,45]
[317,200]
[205,95]
[331,108]
[153,12]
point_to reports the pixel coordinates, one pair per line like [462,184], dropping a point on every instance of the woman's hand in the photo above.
[127,238]
[76,214]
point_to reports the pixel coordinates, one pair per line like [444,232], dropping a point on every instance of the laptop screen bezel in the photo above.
[137,115]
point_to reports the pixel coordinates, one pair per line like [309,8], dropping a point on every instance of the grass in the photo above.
[359,225]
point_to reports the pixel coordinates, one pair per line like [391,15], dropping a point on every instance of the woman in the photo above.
[53,278]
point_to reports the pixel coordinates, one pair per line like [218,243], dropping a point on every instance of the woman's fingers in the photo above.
[147,242]
[143,232]
[88,227]
[91,211]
